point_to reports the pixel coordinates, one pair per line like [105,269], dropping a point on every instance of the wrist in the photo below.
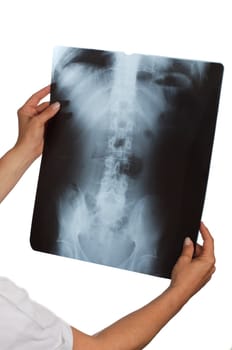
[12,166]
[178,294]
[24,154]
[23,157]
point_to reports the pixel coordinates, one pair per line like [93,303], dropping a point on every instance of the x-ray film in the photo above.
[126,160]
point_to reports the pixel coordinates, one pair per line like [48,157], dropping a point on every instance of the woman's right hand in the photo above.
[32,117]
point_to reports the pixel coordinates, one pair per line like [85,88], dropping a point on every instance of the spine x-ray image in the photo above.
[126,160]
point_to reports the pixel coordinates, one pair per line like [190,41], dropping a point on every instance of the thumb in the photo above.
[188,248]
[49,112]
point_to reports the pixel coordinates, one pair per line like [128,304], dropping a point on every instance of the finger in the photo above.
[49,112]
[42,107]
[188,249]
[198,250]
[37,96]
[208,244]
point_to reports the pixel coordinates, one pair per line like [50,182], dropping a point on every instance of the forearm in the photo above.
[137,329]
[12,166]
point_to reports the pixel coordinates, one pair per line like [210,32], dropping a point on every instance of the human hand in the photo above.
[192,272]
[32,118]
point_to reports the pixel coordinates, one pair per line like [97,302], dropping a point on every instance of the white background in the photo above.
[89,296]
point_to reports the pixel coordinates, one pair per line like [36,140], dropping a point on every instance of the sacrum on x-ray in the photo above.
[126,160]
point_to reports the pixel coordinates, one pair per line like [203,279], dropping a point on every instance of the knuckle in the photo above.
[211,262]
[184,259]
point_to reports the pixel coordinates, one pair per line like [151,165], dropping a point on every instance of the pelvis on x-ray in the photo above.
[126,160]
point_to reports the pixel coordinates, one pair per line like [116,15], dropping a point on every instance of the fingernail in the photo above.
[187,241]
[56,105]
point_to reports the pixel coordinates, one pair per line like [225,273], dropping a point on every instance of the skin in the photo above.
[32,118]
[137,329]
[189,275]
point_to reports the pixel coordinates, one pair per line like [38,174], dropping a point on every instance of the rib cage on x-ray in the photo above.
[124,169]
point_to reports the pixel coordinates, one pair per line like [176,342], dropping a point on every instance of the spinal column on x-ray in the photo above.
[115,229]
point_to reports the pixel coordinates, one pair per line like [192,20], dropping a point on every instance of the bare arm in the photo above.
[137,329]
[32,118]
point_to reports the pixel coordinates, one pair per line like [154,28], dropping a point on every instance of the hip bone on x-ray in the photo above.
[126,160]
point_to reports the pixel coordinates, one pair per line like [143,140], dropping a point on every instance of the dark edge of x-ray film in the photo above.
[126,160]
